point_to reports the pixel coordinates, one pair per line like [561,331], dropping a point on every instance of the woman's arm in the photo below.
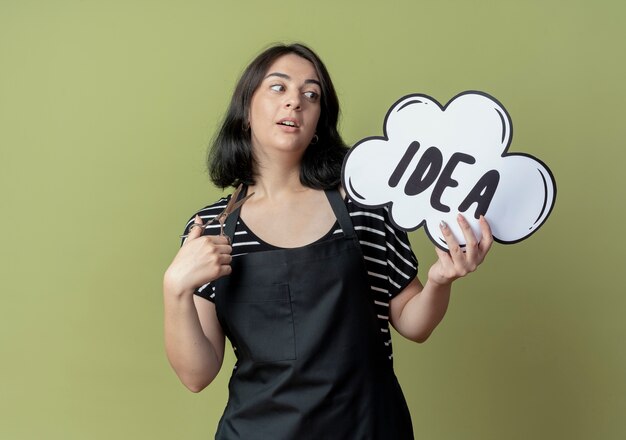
[194,340]
[417,310]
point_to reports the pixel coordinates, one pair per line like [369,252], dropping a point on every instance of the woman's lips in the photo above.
[289,122]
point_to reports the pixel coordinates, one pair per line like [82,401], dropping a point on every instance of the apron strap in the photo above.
[336,203]
[341,212]
[231,221]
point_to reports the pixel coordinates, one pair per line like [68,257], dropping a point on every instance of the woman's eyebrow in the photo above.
[287,77]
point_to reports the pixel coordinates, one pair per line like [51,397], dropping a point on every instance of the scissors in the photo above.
[232,205]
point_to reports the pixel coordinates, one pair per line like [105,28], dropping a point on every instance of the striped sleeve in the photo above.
[389,259]
[207,214]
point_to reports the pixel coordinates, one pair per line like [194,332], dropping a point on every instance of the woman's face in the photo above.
[285,108]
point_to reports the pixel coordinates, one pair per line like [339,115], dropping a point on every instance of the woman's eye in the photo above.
[277,87]
[312,95]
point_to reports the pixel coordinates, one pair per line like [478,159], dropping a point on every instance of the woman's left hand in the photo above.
[458,262]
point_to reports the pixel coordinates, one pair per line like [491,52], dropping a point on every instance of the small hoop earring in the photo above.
[315,139]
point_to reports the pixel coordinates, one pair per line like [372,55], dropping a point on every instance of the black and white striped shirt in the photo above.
[389,260]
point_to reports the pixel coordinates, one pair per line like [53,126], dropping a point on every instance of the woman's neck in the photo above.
[277,185]
[277,177]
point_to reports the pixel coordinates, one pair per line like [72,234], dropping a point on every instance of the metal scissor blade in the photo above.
[239,203]
[231,206]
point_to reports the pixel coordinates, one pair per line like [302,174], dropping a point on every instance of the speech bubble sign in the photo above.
[436,161]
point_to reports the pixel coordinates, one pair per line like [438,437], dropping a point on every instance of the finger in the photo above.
[471,244]
[224,259]
[220,240]
[487,236]
[225,269]
[219,244]
[223,253]
[447,271]
[456,253]
[195,229]
[443,256]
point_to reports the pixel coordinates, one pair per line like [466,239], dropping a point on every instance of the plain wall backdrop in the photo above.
[106,111]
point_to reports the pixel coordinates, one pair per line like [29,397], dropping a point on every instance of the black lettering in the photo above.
[403,164]
[446,180]
[425,172]
[482,193]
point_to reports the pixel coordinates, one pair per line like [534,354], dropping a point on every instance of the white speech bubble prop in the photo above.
[435,161]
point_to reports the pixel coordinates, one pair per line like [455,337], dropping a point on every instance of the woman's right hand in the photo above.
[200,260]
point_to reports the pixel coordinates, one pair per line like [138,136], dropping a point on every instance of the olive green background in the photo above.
[106,109]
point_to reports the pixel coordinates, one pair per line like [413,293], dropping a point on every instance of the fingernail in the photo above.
[443,225]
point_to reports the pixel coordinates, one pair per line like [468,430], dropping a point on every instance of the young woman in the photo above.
[304,283]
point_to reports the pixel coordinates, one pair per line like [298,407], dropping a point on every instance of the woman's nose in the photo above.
[293,101]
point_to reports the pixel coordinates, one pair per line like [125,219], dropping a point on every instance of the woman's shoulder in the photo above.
[376,224]
[208,213]
[367,214]
[379,213]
